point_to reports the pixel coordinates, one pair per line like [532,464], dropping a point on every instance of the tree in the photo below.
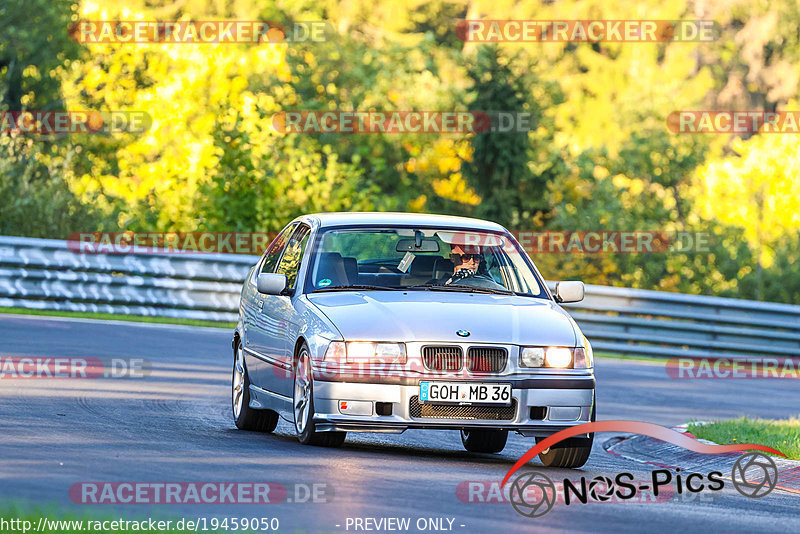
[33,43]
[510,170]
[754,189]
[35,198]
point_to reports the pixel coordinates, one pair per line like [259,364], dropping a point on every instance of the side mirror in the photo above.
[271,283]
[569,291]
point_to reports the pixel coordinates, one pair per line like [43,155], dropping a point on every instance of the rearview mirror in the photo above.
[569,291]
[410,245]
[271,283]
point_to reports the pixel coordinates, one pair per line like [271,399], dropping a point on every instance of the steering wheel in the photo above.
[479,280]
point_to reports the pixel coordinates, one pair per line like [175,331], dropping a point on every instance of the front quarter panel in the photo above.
[315,328]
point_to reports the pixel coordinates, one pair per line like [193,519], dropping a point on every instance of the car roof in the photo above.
[372,218]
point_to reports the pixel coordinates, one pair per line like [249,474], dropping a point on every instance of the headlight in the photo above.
[368,352]
[558,357]
[532,357]
[336,352]
[553,357]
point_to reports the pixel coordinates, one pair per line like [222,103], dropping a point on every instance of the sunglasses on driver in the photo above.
[466,257]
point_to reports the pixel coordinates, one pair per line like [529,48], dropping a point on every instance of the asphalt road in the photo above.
[175,426]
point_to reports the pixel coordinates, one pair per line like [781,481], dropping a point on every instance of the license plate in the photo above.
[465,393]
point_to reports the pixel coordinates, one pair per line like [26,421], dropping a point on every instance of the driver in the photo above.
[466,259]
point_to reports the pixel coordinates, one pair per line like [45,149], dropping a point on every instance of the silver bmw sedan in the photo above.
[381,322]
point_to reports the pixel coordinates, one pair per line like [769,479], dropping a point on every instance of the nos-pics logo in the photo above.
[533,494]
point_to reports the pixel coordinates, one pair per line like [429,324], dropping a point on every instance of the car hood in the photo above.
[436,316]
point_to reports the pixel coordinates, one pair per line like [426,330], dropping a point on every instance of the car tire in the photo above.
[574,454]
[567,457]
[487,441]
[245,417]
[303,405]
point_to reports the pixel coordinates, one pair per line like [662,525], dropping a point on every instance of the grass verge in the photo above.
[783,434]
[614,356]
[120,317]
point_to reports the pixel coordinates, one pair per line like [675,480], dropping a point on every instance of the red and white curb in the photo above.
[647,450]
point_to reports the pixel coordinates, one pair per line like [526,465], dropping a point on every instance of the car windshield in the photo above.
[425,259]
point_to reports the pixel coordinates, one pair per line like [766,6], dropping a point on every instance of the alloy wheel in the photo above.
[302,391]
[238,382]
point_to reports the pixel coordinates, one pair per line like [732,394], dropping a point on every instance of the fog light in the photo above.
[350,407]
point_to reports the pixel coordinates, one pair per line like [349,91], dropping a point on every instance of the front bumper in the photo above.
[559,402]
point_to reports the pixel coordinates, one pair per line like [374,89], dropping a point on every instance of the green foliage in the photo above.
[754,61]
[598,155]
[350,74]
[33,43]
[297,176]
[780,282]
[35,200]
[511,170]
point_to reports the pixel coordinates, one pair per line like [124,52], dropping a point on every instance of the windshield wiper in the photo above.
[457,288]
[356,288]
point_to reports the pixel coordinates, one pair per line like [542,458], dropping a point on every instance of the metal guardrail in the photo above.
[44,274]
[658,323]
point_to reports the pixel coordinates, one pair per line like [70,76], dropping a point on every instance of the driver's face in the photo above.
[466,261]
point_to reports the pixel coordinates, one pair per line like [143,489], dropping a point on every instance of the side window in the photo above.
[494,270]
[290,261]
[275,250]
